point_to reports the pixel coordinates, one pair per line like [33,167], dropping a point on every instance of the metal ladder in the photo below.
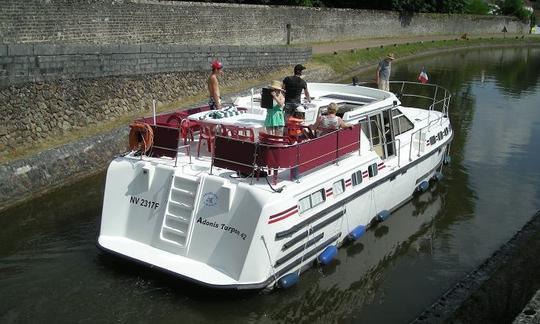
[177,219]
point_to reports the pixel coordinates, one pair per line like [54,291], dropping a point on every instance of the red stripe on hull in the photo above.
[277,219]
[283,212]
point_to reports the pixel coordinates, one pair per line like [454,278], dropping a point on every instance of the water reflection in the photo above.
[48,259]
[356,279]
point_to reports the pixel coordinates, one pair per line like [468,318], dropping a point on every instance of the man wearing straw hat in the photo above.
[275,119]
[383,72]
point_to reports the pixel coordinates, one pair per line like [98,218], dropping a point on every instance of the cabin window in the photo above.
[373,170]
[317,198]
[401,123]
[338,187]
[356,178]
[311,201]
[304,204]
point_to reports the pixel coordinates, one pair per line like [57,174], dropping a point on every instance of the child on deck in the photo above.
[294,124]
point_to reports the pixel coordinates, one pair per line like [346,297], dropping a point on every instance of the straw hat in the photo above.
[390,56]
[276,85]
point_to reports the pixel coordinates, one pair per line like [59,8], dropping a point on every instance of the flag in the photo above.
[423,76]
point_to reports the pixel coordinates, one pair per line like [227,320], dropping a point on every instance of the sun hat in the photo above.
[276,85]
[216,65]
[390,56]
[300,109]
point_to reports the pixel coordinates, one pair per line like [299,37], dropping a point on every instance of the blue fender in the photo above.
[288,280]
[357,232]
[423,186]
[382,216]
[327,255]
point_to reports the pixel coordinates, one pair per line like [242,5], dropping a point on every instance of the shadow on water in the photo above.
[160,279]
[48,257]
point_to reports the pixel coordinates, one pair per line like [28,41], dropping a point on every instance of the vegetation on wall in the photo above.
[478,7]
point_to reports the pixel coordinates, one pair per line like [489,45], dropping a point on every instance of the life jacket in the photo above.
[294,126]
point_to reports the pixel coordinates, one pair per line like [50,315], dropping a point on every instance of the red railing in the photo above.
[248,157]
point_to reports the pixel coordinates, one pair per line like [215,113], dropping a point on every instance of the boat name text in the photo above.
[224,227]
[143,202]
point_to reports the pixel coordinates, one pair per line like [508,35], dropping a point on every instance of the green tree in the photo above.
[441,6]
[513,8]
[477,7]
[411,6]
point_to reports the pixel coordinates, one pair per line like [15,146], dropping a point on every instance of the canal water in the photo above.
[51,270]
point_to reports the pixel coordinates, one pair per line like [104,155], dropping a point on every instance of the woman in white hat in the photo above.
[275,119]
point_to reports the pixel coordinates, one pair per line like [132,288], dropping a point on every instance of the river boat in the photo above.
[211,197]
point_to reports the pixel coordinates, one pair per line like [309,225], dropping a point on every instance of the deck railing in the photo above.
[437,98]
[249,158]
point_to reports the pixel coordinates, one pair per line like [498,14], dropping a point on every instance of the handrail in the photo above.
[440,95]
[398,141]
[187,147]
[290,157]
[419,141]
[436,96]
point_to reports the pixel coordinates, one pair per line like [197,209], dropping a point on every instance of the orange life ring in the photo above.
[141,136]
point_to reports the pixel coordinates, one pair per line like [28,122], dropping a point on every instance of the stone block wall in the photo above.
[20,63]
[36,112]
[151,21]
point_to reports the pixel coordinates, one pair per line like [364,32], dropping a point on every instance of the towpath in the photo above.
[330,47]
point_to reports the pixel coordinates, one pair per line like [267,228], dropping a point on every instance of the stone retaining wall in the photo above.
[499,289]
[146,21]
[21,63]
[36,112]
[54,168]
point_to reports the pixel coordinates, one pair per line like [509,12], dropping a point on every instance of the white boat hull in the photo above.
[203,225]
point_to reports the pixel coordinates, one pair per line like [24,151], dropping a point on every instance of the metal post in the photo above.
[288,26]
[252,100]
[154,110]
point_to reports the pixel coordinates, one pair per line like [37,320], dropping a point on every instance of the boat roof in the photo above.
[352,100]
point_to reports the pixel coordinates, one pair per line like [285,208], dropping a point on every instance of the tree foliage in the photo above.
[507,7]
[513,8]
[477,7]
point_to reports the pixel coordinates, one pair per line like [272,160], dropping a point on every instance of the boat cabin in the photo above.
[235,137]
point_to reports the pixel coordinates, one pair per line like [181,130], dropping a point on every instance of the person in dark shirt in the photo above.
[293,85]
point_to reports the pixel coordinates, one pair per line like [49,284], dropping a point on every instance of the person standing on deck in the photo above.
[213,86]
[293,85]
[275,120]
[383,72]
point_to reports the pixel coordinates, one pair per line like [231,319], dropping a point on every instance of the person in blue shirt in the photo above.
[383,72]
